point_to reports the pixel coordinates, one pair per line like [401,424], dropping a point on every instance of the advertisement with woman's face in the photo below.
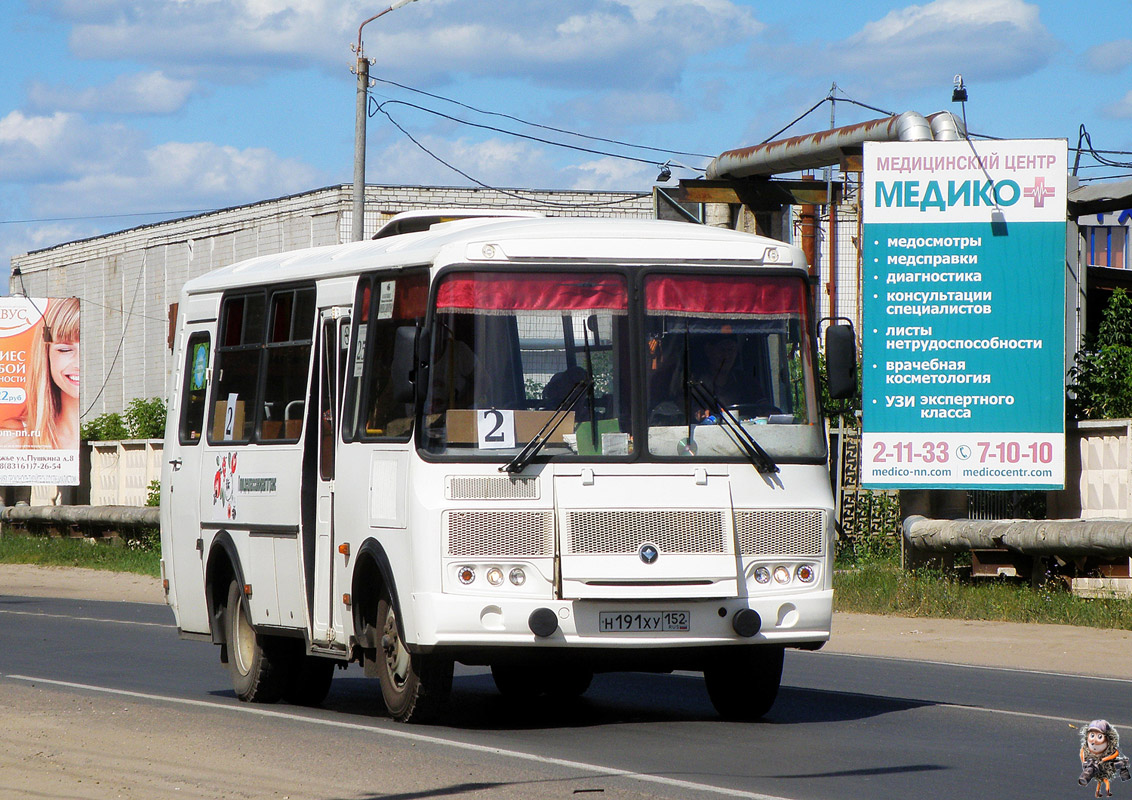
[39,391]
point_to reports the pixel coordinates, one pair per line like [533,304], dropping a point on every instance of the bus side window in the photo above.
[238,349]
[396,302]
[194,390]
[355,361]
[287,364]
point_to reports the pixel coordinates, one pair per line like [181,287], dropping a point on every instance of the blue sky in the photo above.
[113,110]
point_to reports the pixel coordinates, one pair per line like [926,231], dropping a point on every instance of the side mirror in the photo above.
[841,361]
[402,370]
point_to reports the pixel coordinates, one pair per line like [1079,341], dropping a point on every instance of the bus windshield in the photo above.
[725,352]
[514,356]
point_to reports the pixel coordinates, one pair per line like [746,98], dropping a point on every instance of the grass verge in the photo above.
[141,555]
[881,587]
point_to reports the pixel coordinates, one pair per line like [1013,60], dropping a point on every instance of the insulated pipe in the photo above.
[946,127]
[122,517]
[817,149]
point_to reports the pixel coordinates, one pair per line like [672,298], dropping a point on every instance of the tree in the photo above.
[1101,377]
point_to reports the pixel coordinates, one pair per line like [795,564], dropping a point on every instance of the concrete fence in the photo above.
[119,475]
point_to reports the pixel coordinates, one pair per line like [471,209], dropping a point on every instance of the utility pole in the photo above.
[360,111]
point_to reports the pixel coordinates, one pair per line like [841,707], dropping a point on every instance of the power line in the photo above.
[540,125]
[107,216]
[381,107]
[458,171]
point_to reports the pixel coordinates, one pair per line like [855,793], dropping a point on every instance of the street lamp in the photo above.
[362,69]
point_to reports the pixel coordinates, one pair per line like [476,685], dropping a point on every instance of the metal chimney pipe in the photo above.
[817,149]
[946,127]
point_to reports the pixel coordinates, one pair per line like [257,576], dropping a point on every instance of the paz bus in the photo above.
[548,447]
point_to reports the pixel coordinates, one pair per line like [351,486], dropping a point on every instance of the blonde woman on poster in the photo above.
[52,413]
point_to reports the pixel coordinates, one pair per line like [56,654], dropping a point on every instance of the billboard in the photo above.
[39,391]
[963,309]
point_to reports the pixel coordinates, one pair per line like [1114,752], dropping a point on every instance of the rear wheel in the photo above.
[743,684]
[415,688]
[258,663]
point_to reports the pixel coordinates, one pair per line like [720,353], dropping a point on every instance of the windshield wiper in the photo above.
[759,458]
[560,411]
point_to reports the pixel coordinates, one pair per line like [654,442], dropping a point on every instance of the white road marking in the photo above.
[73,618]
[581,766]
[919,661]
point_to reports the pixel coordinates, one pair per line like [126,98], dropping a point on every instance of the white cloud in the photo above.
[578,43]
[83,169]
[926,45]
[179,175]
[55,146]
[495,162]
[142,93]
[613,174]
[1121,109]
[1110,57]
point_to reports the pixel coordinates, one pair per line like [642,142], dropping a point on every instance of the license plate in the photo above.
[632,621]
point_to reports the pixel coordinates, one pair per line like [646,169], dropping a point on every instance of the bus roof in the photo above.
[500,241]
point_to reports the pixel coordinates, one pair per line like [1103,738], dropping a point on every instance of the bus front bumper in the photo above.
[462,621]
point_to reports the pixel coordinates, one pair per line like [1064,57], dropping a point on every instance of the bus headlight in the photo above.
[762,575]
[781,575]
[517,577]
[465,574]
[495,576]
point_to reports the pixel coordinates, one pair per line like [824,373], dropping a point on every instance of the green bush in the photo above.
[143,419]
[104,427]
[1101,377]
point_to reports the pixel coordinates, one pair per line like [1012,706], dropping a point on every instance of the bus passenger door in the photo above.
[334,332]
[182,476]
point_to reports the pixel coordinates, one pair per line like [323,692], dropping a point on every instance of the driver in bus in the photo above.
[716,366]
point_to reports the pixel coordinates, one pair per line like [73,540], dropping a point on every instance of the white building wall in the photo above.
[126,281]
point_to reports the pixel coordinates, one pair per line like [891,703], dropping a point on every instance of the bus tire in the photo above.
[258,663]
[743,684]
[414,688]
[308,681]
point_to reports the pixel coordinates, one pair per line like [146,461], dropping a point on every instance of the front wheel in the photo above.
[258,663]
[743,684]
[415,688]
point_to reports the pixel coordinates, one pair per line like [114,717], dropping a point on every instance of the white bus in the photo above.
[546,446]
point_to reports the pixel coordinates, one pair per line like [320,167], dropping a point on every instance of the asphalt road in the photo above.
[843,727]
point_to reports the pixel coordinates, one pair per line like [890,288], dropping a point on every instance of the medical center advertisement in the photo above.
[963,310]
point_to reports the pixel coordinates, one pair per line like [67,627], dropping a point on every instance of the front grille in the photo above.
[606,532]
[780,532]
[511,534]
[489,487]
